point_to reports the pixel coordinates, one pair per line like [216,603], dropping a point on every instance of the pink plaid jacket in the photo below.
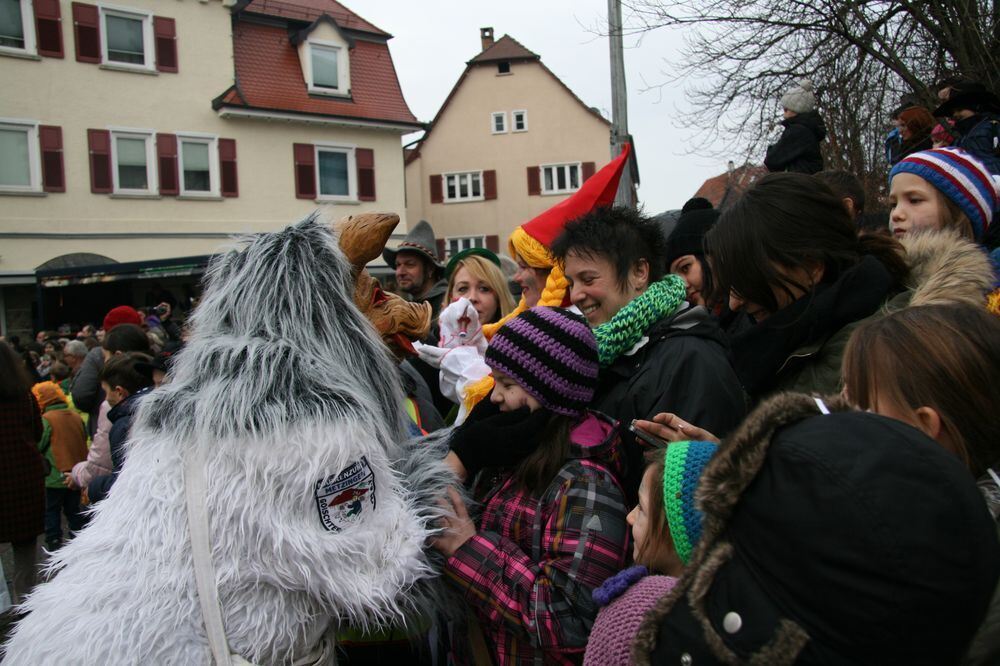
[530,570]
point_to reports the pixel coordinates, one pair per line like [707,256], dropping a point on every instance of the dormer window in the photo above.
[324,66]
[324,52]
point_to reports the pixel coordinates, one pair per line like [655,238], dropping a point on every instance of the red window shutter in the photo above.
[165,38]
[305,170]
[48,28]
[166,155]
[440,248]
[493,243]
[437,189]
[534,181]
[87,29]
[489,184]
[53,173]
[365,158]
[587,170]
[227,165]
[99,144]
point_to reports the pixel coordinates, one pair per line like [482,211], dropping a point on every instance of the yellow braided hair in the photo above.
[993,302]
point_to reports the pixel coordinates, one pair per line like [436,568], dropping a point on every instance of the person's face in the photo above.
[158,377]
[788,113]
[904,132]
[479,293]
[689,268]
[49,348]
[595,288]
[72,361]
[916,205]
[509,396]
[640,522]
[532,281]
[794,278]
[40,337]
[113,394]
[411,273]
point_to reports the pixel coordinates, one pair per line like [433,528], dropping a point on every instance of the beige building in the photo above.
[137,137]
[510,141]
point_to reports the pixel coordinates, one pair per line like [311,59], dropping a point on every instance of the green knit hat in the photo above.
[683,463]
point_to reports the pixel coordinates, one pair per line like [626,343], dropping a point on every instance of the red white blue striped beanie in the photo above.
[552,354]
[960,177]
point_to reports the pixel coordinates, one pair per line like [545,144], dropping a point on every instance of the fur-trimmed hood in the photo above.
[946,268]
[829,538]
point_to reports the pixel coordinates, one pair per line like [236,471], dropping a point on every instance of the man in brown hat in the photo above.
[419,272]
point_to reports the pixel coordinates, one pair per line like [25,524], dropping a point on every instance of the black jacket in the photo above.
[798,147]
[683,368]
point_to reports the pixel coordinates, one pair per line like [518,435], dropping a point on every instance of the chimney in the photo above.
[486,36]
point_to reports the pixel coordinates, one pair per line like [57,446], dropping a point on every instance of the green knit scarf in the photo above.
[621,332]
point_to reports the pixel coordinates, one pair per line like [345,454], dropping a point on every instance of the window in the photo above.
[463,186]
[498,122]
[560,178]
[133,164]
[335,173]
[17,31]
[456,245]
[20,169]
[127,39]
[324,66]
[199,165]
[328,70]
[503,67]
[520,119]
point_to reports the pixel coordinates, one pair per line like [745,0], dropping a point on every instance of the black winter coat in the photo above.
[798,148]
[684,368]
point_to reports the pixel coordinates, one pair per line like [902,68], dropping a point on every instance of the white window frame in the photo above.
[148,44]
[560,165]
[352,172]
[28,28]
[493,122]
[34,156]
[458,198]
[463,243]
[513,120]
[212,141]
[343,81]
[152,174]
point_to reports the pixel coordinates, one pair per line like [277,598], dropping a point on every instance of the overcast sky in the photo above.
[433,39]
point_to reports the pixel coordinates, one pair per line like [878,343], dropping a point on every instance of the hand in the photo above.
[673,429]
[84,497]
[68,481]
[459,326]
[458,527]
[455,463]
[491,438]
[430,354]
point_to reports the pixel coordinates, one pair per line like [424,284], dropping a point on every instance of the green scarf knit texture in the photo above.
[627,327]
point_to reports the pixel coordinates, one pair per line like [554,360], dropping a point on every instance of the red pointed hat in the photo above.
[597,191]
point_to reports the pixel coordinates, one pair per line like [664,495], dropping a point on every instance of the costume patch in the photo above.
[343,500]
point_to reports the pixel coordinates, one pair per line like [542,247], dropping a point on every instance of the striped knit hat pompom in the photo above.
[552,354]
[961,178]
[683,463]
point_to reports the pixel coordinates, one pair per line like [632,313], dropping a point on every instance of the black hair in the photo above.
[789,220]
[622,235]
[126,338]
[120,370]
[845,185]
[15,381]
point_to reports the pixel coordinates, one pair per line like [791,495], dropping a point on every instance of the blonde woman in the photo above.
[475,274]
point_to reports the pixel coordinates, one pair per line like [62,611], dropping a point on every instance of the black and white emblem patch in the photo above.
[343,500]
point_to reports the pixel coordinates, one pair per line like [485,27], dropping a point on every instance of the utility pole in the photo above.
[619,102]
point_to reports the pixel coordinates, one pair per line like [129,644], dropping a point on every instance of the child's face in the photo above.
[916,205]
[113,395]
[639,520]
[509,396]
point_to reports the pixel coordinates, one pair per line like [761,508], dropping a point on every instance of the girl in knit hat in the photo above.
[553,525]
[666,527]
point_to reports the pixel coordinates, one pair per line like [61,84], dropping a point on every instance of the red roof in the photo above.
[310,10]
[269,77]
[724,189]
[505,48]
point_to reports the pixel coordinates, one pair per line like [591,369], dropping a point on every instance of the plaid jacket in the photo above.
[530,570]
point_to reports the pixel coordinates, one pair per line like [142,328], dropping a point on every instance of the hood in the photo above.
[693,320]
[595,437]
[811,120]
[946,268]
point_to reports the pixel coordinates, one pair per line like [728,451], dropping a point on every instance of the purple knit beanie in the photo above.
[552,354]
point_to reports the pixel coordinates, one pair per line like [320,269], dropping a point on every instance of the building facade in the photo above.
[138,138]
[510,141]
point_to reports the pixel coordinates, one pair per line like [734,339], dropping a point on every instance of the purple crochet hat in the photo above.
[552,354]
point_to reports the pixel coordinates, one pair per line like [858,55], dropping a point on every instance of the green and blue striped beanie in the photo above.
[683,463]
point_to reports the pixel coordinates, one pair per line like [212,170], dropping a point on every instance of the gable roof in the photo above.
[510,50]
[309,11]
[505,48]
[726,188]
[269,78]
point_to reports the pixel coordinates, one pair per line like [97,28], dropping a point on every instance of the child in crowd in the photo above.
[666,527]
[124,385]
[63,443]
[553,525]
[944,188]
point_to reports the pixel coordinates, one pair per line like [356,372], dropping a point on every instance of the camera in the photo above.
[161,309]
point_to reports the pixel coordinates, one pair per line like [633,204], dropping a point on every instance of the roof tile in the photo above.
[310,10]
[505,48]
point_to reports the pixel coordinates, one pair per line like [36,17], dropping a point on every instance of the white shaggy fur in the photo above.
[282,383]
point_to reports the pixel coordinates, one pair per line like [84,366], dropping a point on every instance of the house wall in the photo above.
[560,130]
[77,96]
